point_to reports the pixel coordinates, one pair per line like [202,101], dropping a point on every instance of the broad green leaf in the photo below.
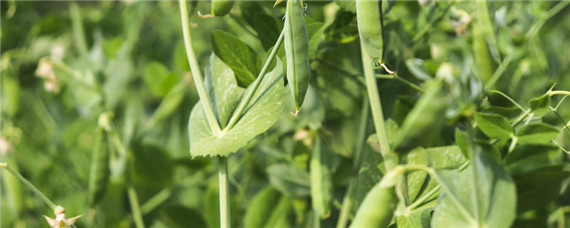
[289,179]
[261,207]
[159,79]
[537,133]
[494,125]
[445,157]
[180,216]
[483,195]
[222,89]
[262,112]
[240,57]
[268,29]
[526,158]
[540,187]
[540,105]
[417,218]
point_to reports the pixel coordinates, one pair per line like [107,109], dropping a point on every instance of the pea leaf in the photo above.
[289,180]
[262,112]
[540,105]
[526,158]
[417,68]
[540,187]
[416,218]
[159,79]
[240,57]
[494,125]
[483,195]
[268,29]
[537,133]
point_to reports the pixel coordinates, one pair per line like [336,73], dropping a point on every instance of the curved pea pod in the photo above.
[221,7]
[297,53]
[100,172]
[371,27]
[377,208]
[425,120]
[321,181]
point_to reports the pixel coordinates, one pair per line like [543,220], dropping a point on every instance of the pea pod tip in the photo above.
[296,113]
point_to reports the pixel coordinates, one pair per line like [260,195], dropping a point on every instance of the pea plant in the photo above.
[287,113]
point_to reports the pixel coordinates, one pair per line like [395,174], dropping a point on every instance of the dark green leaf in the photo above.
[540,105]
[494,125]
[268,29]
[537,133]
[261,207]
[483,195]
[240,57]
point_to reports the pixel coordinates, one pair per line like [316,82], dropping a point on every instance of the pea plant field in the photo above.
[287,113]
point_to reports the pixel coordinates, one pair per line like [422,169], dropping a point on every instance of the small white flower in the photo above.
[60,221]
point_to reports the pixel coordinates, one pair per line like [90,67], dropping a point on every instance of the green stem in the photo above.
[402,80]
[135,207]
[225,218]
[358,155]
[77,25]
[376,106]
[508,98]
[377,114]
[29,185]
[499,72]
[247,98]
[195,69]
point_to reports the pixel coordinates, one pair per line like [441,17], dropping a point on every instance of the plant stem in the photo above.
[358,155]
[544,17]
[225,218]
[195,69]
[402,80]
[247,97]
[499,72]
[387,154]
[29,185]
[135,207]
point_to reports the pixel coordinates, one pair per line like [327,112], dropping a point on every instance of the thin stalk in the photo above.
[499,72]
[558,92]
[225,218]
[135,207]
[247,98]
[358,155]
[195,69]
[29,185]
[508,98]
[378,116]
[402,80]
[77,25]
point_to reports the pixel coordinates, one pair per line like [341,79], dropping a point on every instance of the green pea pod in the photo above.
[377,208]
[425,120]
[321,181]
[221,7]
[297,52]
[99,176]
[371,27]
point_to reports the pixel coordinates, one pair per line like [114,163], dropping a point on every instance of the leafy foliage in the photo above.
[476,110]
